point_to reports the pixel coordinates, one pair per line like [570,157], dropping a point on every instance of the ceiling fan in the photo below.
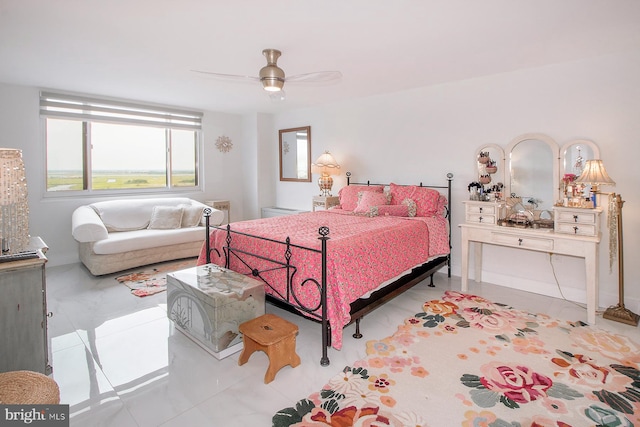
[273,77]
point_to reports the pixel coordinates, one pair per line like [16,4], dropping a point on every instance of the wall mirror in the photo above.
[295,154]
[533,170]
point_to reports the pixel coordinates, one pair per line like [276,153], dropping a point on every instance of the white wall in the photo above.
[420,135]
[50,218]
[409,137]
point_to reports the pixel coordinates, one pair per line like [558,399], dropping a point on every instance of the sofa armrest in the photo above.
[216,218]
[86,225]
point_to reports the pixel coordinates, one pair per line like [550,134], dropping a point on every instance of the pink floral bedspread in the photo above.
[362,253]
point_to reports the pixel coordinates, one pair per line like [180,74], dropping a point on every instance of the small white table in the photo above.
[223,205]
[535,240]
[325,202]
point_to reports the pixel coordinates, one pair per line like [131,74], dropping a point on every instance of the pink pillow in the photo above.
[426,198]
[349,194]
[369,199]
[442,205]
[389,210]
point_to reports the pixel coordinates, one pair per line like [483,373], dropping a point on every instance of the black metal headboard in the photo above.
[438,187]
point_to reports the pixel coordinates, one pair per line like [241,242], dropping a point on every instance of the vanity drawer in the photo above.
[579,222]
[488,209]
[576,228]
[520,241]
[477,218]
[485,213]
[576,217]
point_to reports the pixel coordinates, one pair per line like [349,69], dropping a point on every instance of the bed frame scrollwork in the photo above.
[283,269]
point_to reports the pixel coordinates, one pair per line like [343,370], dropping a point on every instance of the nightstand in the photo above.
[223,205]
[325,202]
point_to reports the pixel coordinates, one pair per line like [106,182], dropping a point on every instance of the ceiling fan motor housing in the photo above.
[272,76]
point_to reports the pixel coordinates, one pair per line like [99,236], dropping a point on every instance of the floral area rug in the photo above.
[466,361]
[153,279]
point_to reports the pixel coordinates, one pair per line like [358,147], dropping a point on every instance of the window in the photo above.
[97,145]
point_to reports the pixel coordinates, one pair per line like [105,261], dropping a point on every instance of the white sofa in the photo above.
[116,235]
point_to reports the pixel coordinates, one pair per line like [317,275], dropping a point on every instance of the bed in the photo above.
[336,266]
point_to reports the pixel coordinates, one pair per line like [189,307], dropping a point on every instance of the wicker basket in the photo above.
[28,388]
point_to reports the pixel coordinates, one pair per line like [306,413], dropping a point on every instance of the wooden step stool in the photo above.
[273,335]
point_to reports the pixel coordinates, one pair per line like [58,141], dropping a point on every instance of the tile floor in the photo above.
[119,362]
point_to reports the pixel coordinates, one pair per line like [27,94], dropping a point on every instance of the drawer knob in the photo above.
[480,209]
[480,219]
[575,218]
[519,242]
[575,230]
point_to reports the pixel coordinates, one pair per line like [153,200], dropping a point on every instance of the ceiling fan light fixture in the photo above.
[272,76]
[272,84]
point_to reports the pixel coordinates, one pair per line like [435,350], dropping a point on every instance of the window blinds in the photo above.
[103,110]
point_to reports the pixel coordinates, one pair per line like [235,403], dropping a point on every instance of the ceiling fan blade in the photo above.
[227,76]
[318,77]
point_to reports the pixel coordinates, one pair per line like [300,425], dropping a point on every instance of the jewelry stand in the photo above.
[618,312]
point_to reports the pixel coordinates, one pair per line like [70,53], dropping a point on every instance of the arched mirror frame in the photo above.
[555,166]
[284,149]
[496,153]
[565,151]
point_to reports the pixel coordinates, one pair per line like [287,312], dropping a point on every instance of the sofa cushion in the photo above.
[132,214]
[191,215]
[125,241]
[165,217]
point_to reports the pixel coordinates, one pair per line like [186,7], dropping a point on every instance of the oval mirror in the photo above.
[295,154]
[575,153]
[533,170]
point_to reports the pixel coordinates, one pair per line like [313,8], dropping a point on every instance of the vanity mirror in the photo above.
[575,153]
[533,170]
[295,154]
[490,165]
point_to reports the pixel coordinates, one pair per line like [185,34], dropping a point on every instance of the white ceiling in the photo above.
[144,49]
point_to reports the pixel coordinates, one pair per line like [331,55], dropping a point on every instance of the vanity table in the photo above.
[540,240]
[531,169]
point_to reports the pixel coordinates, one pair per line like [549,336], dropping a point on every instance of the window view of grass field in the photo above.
[115,180]
[118,156]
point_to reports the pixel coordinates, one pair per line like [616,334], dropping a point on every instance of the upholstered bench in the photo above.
[273,335]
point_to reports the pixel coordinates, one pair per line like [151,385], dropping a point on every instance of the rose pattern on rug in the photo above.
[153,280]
[465,360]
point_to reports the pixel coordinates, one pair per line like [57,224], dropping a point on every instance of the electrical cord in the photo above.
[553,270]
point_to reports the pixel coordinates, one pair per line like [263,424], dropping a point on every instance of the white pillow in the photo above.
[165,217]
[191,215]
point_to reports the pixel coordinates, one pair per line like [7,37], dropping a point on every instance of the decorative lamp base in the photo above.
[621,314]
[325,183]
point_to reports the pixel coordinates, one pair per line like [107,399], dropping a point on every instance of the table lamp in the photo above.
[326,166]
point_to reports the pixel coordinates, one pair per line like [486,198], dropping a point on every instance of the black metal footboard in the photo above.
[281,270]
[274,272]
